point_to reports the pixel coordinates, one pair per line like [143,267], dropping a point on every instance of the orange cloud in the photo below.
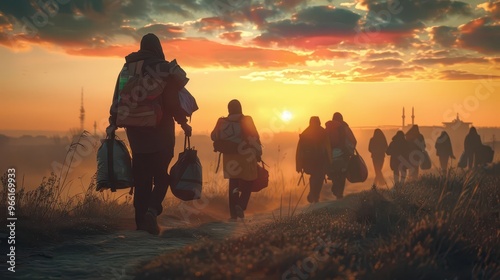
[196,52]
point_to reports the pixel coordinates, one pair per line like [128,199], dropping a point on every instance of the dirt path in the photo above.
[116,255]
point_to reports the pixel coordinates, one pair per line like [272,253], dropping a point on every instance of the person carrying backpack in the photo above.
[236,137]
[377,147]
[313,156]
[342,144]
[151,135]
[398,150]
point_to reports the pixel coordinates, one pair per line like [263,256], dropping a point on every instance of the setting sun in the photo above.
[286,116]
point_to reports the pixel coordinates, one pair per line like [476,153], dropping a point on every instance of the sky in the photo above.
[284,60]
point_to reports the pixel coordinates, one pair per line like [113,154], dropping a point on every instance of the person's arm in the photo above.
[113,110]
[171,95]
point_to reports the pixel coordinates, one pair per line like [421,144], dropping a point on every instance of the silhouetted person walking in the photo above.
[313,156]
[377,147]
[342,143]
[416,145]
[472,146]
[444,150]
[237,138]
[398,150]
[152,146]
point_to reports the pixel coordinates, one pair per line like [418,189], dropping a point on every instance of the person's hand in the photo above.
[187,129]
[259,158]
[110,129]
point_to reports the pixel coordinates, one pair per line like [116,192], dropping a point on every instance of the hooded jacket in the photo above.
[340,135]
[398,150]
[313,150]
[378,145]
[443,146]
[162,137]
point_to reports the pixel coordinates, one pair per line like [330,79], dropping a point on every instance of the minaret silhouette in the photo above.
[82,114]
[403,127]
[412,116]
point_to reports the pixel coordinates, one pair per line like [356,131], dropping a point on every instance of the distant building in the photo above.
[82,114]
[458,126]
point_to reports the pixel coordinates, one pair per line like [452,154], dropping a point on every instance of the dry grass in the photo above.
[439,227]
[47,213]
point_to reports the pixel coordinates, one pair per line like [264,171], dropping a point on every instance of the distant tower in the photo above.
[403,127]
[95,128]
[412,116]
[82,114]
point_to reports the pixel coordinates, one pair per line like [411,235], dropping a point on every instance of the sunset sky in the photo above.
[284,60]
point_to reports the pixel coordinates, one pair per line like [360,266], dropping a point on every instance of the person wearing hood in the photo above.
[152,146]
[416,146]
[472,146]
[444,150]
[313,156]
[239,163]
[377,147]
[398,150]
[342,144]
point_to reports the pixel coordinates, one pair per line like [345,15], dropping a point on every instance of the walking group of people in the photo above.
[148,110]
[320,151]
[326,151]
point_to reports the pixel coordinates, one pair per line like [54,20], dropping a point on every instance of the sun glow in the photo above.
[286,116]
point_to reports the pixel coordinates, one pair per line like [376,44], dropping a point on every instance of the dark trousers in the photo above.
[378,163]
[150,170]
[240,198]
[399,176]
[315,184]
[443,160]
[338,176]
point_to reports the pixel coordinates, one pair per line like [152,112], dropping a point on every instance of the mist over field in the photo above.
[35,157]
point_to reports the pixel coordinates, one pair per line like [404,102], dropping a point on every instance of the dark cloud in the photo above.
[450,60]
[212,24]
[413,11]
[321,25]
[445,36]
[464,75]
[481,35]
[163,31]
[231,36]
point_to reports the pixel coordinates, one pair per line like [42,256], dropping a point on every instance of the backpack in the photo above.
[140,97]
[228,136]
[186,174]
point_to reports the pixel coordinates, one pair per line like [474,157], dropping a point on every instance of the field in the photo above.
[442,226]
